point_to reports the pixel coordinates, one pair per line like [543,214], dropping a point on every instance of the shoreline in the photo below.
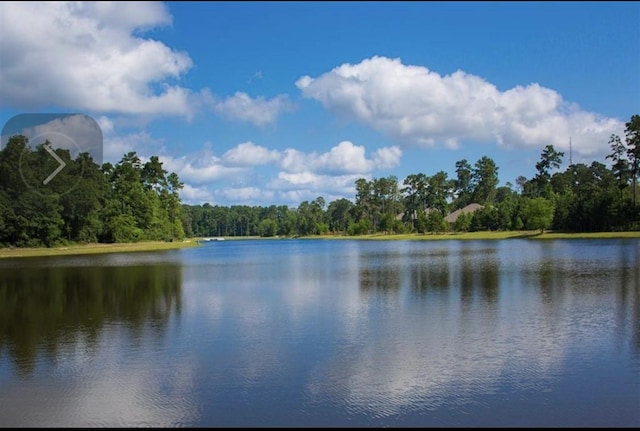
[95,248]
[497,235]
[484,235]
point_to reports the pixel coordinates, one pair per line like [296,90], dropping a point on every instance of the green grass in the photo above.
[95,249]
[534,235]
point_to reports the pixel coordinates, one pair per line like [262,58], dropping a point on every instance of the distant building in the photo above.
[451,218]
[469,209]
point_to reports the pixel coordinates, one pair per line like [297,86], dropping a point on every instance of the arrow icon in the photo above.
[58,169]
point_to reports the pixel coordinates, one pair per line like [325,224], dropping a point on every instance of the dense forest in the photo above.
[84,203]
[134,201]
[582,198]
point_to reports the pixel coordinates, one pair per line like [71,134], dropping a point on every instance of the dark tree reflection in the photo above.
[40,308]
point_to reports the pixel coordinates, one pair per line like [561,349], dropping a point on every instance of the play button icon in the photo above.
[48,148]
[54,149]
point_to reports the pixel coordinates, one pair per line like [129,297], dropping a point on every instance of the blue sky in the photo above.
[262,103]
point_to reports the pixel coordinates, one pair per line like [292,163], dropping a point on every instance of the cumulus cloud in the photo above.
[196,194]
[201,167]
[246,194]
[74,132]
[418,106]
[249,154]
[258,111]
[252,173]
[344,158]
[117,145]
[90,56]
[301,175]
[257,175]
[314,184]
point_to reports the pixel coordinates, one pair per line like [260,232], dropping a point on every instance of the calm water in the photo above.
[325,333]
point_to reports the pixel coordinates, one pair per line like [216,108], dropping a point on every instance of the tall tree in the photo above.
[364,200]
[484,180]
[439,192]
[154,175]
[632,133]
[339,214]
[537,213]
[172,204]
[550,159]
[620,166]
[463,186]
[415,197]
[385,200]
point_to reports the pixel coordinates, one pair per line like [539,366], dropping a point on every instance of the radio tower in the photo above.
[570,153]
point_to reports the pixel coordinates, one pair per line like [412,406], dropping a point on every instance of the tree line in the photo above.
[85,202]
[581,198]
[132,201]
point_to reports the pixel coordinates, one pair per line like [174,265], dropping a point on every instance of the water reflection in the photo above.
[42,308]
[628,298]
[380,279]
[323,333]
[429,272]
[520,322]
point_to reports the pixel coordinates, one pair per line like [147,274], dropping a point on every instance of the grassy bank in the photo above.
[95,249]
[534,235]
[156,246]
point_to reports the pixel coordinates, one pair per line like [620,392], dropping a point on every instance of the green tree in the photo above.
[439,191]
[537,213]
[386,200]
[550,159]
[268,227]
[435,222]
[415,197]
[463,184]
[364,201]
[339,214]
[620,164]
[170,197]
[83,203]
[484,181]
[485,218]
[463,222]
[632,133]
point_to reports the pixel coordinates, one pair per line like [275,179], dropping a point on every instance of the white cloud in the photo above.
[387,157]
[195,195]
[76,133]
[90,56]
[117,145]
[106,124]
[251,173]
[201,167]
[344,158]
[249,154]
[418,106]
[242,173]
[246,194]
[316,183]
[259,111]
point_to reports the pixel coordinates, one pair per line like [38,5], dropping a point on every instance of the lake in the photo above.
[318,333]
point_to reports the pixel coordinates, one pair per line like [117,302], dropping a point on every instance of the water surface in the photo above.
[325,333]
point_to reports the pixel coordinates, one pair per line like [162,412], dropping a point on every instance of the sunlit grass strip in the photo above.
[588,235]
[484,236]
[95,249]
